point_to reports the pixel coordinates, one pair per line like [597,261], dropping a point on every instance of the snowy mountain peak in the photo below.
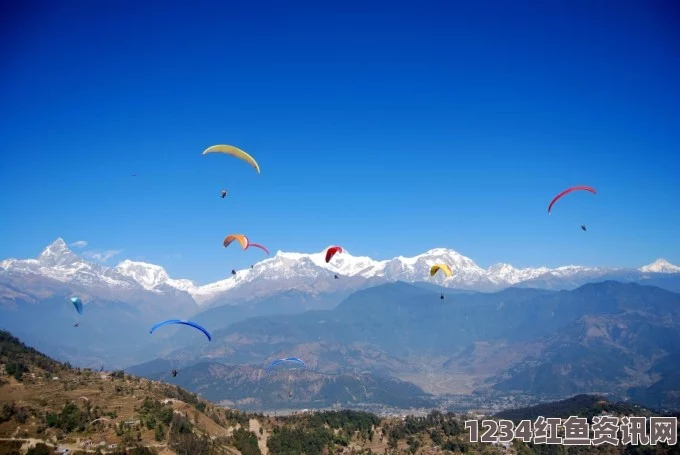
[57,254]
[508,273]
[455,260]
[342,263]
[440,251]
[58,262]
[660,266]
[149,276]
[501,267]
[58,243]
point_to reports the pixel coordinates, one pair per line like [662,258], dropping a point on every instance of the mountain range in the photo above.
[606,337]
[310,273]
[380,321]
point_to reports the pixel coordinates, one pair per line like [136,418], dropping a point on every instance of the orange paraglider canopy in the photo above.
[242,239]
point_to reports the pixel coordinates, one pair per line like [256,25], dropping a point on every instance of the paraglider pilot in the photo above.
[224,193]
[583,226]
[174,373]
[336,277]
[233,272]
[441,296]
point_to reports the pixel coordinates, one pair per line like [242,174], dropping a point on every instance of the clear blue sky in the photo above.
[389,128]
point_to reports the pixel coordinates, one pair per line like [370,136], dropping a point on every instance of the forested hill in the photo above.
[47,405]
[579,405]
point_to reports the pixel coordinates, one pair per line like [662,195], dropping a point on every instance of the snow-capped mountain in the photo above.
[310,272]
[151,277]
[58,262]
[660,266]
[307,272]
[59,271]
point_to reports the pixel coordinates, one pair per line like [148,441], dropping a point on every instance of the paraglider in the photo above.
[332,251]
[583,227]
[443,267]
[182,322]
[567,191]
[233,151]
[77,304]
[242,239]
[223,194]
[446,270]
[287,359]
[290,360]
[174,373]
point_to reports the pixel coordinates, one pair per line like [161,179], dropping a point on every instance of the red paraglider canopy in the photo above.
[569,190]
[332,251]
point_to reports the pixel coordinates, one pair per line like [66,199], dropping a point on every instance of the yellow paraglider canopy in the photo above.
[242,239]
[443,267]
[233,151]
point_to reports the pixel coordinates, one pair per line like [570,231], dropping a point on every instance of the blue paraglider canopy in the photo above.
[78,304]
[180,321]
[287,359]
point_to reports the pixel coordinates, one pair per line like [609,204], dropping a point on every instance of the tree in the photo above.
[159,432]
[39,449]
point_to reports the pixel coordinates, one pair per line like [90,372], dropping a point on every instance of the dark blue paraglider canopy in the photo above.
[180,321]
[78,304]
